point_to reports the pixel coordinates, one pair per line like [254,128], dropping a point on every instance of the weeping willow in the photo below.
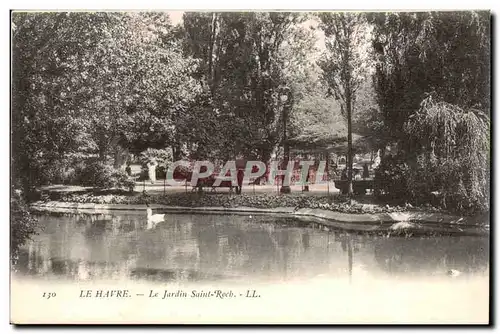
[450,155]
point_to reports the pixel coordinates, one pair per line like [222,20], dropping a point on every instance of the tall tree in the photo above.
[345,64]
[94,81]
[45,73]
[160,88]
[243,60]
[451,155]
[432,83]
[446,54]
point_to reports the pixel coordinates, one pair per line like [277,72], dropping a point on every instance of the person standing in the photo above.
[240,176]
[377,160]
[152,171]
[128,169]
[366,172]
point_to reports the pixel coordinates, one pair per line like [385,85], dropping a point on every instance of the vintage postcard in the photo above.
[252,167]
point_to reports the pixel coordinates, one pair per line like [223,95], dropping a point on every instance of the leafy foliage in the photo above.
[449,166]
[100,175]
[391,179]
[93,82]
[416,54]
[162,158]
[246,60]
[345,64]
[452,154]
[432,88]
[22,224]
[317,120]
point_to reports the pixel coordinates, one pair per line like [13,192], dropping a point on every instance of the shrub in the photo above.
[163,158]
[160,172]
[391,178]
[447,163]
[22,224]
[99,175]
[51,172]
[451,157]
[122,180]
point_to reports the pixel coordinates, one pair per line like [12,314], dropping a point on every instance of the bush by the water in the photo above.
[44,171]
[391,178]
[447,164]
[100,175]
[22,224]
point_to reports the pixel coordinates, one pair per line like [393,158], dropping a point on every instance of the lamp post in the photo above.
[286,149]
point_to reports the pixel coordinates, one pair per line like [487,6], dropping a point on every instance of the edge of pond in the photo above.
[406,223]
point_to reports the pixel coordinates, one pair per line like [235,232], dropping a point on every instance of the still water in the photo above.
[235,248]
[302,272]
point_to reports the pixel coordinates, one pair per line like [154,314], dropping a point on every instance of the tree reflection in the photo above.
[305,240]
[211,247]
[346,243]
[434,255]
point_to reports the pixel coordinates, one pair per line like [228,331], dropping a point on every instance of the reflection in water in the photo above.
[234,248]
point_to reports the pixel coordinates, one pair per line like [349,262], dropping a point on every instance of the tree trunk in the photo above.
[102,151]
[286,150]
[349,141]
[102,144]
[213,41]
[176,152]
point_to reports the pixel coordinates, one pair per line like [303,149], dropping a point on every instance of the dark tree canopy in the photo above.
[446,54]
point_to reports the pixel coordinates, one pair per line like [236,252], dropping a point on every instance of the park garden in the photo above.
[104,103]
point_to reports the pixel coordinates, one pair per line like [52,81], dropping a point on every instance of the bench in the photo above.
[359,187]
[208,182]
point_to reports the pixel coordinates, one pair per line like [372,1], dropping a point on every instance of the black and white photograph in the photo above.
[250,167]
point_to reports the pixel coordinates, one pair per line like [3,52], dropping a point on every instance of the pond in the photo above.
[245,250]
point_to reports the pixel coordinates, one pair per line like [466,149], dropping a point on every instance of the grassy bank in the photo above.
[335,203]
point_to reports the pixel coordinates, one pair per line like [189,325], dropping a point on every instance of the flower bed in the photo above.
[333,203]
